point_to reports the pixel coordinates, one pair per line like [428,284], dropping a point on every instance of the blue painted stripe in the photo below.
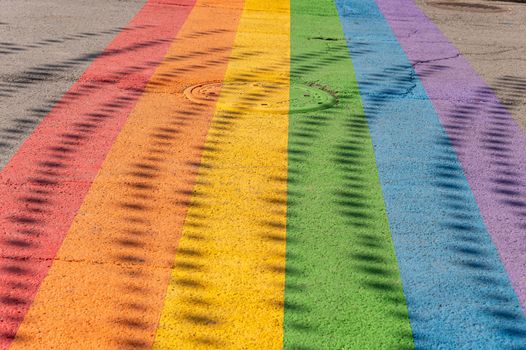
[458,293]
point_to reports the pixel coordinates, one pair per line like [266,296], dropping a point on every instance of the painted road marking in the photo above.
[457,291]
[490,144]
[44,184]
[228,278]
[106,286]
[212,222]
[343,287]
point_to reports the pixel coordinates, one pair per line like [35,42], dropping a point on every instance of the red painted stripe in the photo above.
[44,184]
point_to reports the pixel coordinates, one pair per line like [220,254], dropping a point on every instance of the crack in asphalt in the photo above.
[435,59]
[85,261]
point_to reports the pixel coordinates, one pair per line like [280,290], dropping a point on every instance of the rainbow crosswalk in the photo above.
[266,174]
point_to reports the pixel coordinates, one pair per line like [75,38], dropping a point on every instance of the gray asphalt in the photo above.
[492,37]
[44,48]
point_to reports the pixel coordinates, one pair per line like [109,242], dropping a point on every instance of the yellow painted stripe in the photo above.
[228,279]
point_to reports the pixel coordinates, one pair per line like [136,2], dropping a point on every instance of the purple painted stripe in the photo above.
[489,143]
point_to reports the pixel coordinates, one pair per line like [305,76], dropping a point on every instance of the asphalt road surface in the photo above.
[262,174]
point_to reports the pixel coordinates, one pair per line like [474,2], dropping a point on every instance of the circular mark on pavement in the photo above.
[306,98]
[466,6]
[262,97]
[204,93]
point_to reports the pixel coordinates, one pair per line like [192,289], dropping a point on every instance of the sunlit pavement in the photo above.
[262,174]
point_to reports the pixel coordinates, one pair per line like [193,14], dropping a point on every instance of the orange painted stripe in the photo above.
[44,184]
[106,286]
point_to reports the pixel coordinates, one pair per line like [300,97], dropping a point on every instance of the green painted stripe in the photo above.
[343,287]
